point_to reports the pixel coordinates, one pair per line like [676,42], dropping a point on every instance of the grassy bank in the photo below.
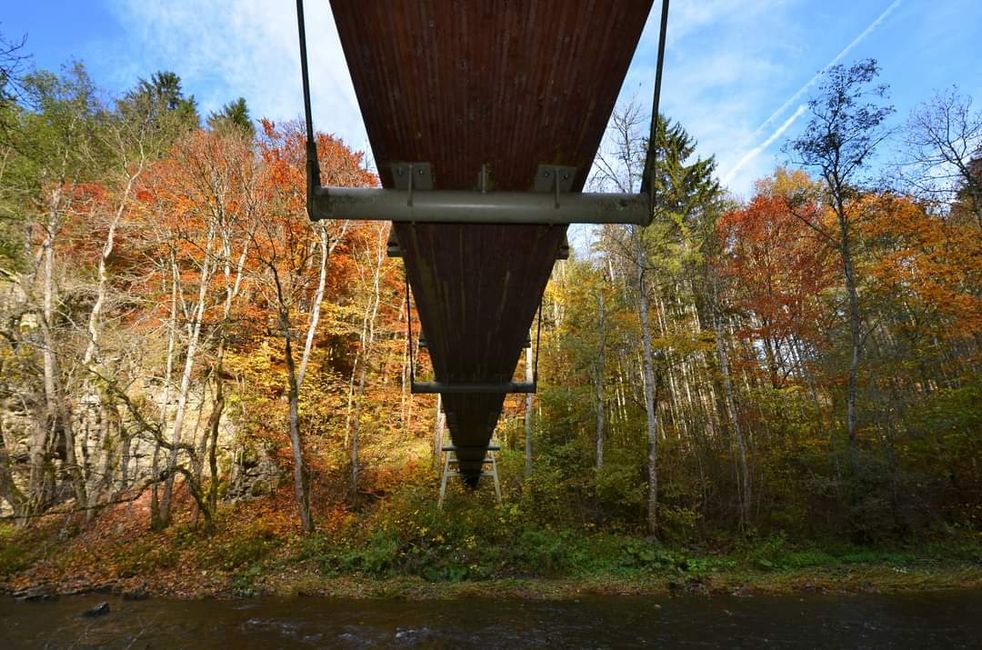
[469,550]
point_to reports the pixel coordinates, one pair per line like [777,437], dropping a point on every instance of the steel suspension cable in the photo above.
[648,185]
[313,166]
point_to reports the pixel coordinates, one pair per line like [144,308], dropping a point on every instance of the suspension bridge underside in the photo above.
[478,94]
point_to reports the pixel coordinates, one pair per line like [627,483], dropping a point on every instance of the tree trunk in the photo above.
[648,369]
[598,381]
[743,475]
[209,441]
[855,339]
[368,341]
[185,387]
[315,310]
[59,426]
[156,521]
[300,480]
[214,423]
[528,413]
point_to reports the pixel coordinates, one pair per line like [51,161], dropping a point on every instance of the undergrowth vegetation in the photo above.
[257,547]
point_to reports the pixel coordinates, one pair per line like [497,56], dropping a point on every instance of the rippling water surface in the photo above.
[926,620]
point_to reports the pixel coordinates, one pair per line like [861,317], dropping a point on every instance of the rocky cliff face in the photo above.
[255,474]
[117,454]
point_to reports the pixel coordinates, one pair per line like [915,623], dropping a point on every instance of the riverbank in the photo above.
[299,583]
[256,551]
[868,579]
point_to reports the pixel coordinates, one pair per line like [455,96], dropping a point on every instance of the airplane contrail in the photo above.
[753,153]
[801,91]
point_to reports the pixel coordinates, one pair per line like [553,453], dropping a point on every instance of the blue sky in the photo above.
[737,71]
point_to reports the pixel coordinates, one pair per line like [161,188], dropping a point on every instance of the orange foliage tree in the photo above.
[291,257]
[778,270]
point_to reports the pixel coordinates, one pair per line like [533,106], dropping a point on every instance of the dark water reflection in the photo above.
[926,620]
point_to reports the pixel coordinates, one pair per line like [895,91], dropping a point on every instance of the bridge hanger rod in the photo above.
[648,186]
[313,165]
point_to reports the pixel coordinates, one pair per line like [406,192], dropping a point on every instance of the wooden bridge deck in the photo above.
[506,83]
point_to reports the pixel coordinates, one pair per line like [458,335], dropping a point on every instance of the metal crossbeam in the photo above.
[393,249]
[449,469]
[508,387]
[422,343]
[458,206]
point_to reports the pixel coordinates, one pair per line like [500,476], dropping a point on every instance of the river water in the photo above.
[925,620]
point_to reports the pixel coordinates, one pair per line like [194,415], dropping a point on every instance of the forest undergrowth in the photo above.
[404,546]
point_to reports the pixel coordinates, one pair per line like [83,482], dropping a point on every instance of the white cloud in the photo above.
[249,48]
[729,63]
[836,59]
[797,96]
[771,139]
[724,60]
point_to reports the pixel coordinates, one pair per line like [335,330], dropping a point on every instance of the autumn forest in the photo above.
[193,374]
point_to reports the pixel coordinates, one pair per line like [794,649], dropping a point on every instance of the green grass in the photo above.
[19,549]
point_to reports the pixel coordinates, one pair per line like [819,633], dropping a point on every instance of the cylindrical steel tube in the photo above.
[453,206]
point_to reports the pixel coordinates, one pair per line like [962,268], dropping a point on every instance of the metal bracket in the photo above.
[412,176]
[484,179]
[554,178]
[557,179]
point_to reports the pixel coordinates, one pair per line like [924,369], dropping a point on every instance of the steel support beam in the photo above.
[394,250]
[432,387]
[455,206]
[422,344]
